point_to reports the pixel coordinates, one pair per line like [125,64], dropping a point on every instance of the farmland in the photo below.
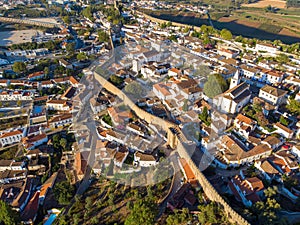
[264,3]
[253,24]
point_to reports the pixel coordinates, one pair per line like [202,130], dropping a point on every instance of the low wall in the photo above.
[165,125]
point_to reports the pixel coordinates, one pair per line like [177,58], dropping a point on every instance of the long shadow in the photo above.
[233,26]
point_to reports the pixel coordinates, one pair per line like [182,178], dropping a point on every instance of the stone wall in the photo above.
[27,21]
[149,118]
[182,151]
[209,190]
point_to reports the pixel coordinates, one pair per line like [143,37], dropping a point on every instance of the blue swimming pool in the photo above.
[51,219]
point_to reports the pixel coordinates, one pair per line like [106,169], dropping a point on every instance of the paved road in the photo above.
[176,183]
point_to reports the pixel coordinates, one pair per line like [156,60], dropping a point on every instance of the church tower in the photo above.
[235,80]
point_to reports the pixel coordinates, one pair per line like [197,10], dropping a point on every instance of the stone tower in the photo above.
[235,80]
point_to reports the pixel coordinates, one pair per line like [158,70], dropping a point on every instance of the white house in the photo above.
[266,48]
[31,142]
[244,125]
[36,76]
[274,76]
[273,95]
[228,53]
[234,99]
[296,151]
[135,129]
[61,120]
[12,137]
[144,160]
[120,156]
[283,130]
[60,105]
[248,72]
[293,79]
[11,165]
[162,91]
[235,153]
[115,136]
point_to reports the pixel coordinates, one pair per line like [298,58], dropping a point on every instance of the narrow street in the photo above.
[176,182]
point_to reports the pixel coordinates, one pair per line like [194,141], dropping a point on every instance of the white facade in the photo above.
[61,121]
[283,131]
[296,151]
[266,48]
[271,95]
[11,137]
[15,96]
[60,106]
[144,160]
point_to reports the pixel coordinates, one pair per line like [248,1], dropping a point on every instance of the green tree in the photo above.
[163,25]
[70,47]
[103,36]
[19,103]
[116,80]
[144,212]
[56,138]
[215,85]
[211,214]
[81,56]
[173,38]
[89,203]
[19,67]
[87,12]
[267,213]
[46,71]
[178,217]
[284,121]
[66,19]
[204,116]
[63,143]
[7,215]
[226,34]
[63,192]
[294,107]
[282,58]
[169,24]
[134,88]
[186,29]
[271,191]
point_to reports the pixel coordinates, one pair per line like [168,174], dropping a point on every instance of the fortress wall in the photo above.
[148,117]
[209,190]
[26,21]
[182,151]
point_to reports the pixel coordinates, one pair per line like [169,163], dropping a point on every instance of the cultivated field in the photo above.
[8,38]
[264,3]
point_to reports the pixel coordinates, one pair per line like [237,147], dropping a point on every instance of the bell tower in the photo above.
[235,80]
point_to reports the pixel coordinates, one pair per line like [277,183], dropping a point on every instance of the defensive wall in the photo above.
[208,189]
[26,21]
[149,118]
[175,140]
